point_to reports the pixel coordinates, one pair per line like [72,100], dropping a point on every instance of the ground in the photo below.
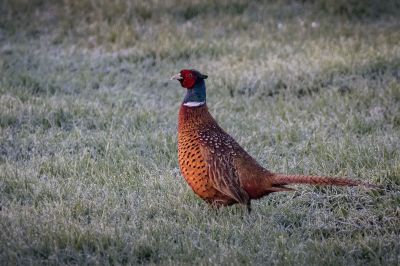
[88,122]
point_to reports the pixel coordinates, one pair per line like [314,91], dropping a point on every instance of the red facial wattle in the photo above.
[188,83]
[188,80]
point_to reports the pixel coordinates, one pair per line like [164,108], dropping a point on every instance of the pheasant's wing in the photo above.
[224,177]
[217,150]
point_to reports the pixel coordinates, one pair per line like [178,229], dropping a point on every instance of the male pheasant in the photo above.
[216,167]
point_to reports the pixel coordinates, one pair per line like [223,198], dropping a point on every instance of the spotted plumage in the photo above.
[215,166]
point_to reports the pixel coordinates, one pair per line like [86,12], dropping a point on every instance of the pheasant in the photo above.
[215,166]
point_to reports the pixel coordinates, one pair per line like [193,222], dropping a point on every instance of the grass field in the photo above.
[88,130]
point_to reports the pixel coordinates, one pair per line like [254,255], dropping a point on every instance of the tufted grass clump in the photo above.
[88,121]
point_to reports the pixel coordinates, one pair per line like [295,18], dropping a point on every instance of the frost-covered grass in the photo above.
[88,117]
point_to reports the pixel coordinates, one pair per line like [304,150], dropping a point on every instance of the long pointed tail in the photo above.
[281,179]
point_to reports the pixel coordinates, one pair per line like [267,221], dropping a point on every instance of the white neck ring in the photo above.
[193,104]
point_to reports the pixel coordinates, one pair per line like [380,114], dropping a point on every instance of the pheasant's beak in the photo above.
[177,77]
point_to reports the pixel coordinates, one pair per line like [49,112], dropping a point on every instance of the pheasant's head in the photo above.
[193,81]
[189,77]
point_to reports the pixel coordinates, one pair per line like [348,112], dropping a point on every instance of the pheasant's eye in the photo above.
[190,75]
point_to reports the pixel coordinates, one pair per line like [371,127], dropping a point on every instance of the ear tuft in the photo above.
[204,76]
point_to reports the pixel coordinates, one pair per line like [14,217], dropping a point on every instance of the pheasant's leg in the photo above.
[217,203]
[248,205]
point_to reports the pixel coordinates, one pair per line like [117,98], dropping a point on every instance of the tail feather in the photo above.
[281,179]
